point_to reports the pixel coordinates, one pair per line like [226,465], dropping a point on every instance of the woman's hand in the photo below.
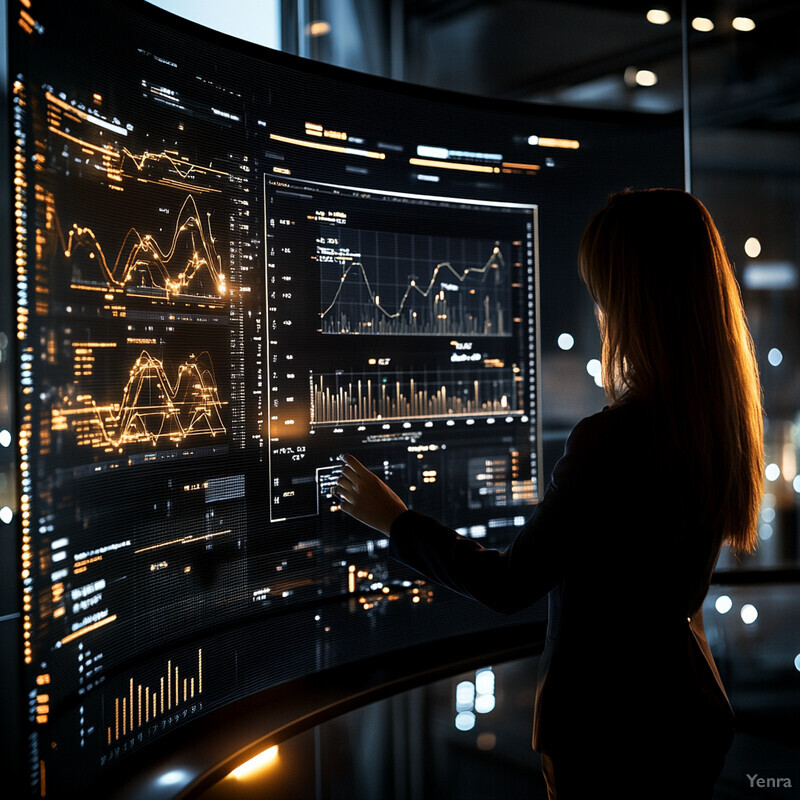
[363,495]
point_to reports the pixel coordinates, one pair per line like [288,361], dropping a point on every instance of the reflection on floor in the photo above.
[468,737]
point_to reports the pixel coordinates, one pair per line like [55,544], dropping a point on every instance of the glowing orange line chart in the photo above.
[152,408]
[181,166]
[141,258]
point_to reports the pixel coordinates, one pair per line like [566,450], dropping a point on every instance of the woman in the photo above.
[627,533]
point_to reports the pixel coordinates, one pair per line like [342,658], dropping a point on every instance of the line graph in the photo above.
[377,282]
[188,266]
[152,407]
[176,163]
[88,134]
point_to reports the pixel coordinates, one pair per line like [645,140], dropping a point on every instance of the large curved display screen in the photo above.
[230,267]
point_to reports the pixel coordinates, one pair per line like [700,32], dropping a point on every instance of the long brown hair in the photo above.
[674,331]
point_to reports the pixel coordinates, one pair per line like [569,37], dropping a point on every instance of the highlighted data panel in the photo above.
[424,312]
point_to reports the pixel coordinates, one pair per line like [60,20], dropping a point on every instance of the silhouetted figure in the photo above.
[625,538]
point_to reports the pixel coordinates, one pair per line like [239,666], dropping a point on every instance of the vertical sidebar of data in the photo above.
[291,324]
[12,247]
[534,350]
[37,696]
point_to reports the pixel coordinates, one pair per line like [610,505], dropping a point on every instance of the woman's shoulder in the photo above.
[630,416]
[626,440]
[624,436]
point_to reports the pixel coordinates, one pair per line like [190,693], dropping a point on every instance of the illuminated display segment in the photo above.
[142,266]
[457,299]
[141,310]
[340,399]
[153,406]
[426,315]
[145,704]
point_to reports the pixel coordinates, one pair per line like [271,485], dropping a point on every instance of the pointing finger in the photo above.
[348,473]
[355,464]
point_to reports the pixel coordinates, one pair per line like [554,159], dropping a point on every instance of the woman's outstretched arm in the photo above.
[506,581]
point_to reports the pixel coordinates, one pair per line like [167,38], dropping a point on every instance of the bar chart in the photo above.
[146,702]
[339,398]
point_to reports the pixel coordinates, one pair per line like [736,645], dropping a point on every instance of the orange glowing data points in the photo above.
[83,116]
[549,141]
[142,703]
[26,21]
[142,263]
[511,166]
[505,166]
[89,628]
[313,129]
[183,540]
[181,166]
[116,163]
[152,407]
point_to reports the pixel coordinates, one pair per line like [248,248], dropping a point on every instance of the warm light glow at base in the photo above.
[256,764]
[318,27]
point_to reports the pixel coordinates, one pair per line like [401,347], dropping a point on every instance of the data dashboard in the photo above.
[230,266]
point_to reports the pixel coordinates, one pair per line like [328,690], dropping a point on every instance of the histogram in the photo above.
[337,399]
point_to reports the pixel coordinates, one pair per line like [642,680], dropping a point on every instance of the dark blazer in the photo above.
[616,544]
